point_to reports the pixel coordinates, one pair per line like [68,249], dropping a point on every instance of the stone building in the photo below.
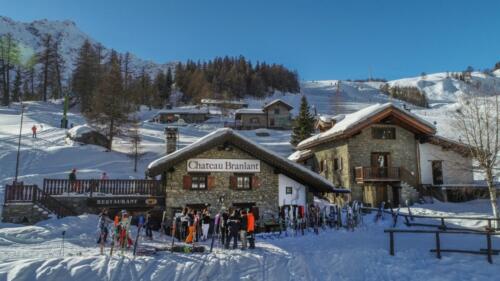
[274,115]
[376,153]
[225,165]
[188,115]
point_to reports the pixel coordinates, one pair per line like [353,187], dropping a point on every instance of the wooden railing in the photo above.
[363,174]
[19,193]
[114,187]
[489,251]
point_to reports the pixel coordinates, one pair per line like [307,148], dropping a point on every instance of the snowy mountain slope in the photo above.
[30,36]
[440,87]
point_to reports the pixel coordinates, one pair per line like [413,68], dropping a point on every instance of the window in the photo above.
[243,181]
[289,190]
[384,133]
[337,164]
[198,181]
[277,111]
[254,120]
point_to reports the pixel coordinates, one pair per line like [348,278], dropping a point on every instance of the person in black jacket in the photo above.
[243,229]
[223,226]
[234,224]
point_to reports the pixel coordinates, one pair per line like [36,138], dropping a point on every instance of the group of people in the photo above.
[233,225]
[121,228]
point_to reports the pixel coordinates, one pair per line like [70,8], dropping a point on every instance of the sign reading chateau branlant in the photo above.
[223,165]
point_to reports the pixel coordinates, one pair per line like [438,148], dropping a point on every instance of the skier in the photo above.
[104,176]
[205,224]
[125,240]
[243,229]
[102,225]
[148,226]
[234,225]
[251,228]
[33,130]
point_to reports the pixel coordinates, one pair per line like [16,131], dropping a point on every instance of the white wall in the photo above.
[298,196]
[456,168]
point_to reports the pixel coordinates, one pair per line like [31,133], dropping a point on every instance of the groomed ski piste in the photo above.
[36,252]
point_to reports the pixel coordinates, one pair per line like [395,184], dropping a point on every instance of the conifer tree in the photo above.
[85,76]
[9,58]
[303,126]
[16,89]
[110,108]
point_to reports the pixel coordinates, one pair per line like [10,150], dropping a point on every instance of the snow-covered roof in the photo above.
[352,120]
[277,101]
[184,111]
[227,135]
[329,118]
[216,101]
[249,111]
[79,131]
[300,155]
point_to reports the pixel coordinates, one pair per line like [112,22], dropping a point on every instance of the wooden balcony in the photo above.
[377,174]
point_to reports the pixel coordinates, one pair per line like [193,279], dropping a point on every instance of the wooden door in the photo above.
[380,162]
[437,172]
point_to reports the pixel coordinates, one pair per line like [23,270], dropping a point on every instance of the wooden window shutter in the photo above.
[255,182]
[232,182]
[210,182]
[186,182]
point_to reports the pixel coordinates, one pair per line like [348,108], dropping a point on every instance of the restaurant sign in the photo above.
[123,202]
[224,165]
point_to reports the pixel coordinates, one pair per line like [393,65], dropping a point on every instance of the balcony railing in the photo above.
[367,174]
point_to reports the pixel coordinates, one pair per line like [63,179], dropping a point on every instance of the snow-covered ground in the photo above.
[34,253]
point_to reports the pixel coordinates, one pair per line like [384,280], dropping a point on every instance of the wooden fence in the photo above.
[488,251]
[114,187]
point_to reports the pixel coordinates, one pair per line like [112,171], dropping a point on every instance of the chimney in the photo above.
[171,134]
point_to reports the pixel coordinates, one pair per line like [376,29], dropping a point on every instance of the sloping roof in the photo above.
[217,101]
[184,111]
[227,135]
[300,155]
[249,111]
[458,147]
[277,101]
[358,120]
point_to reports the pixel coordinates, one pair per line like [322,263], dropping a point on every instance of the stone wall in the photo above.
[25,213]
[403,152]
[265,197]
[281,120]
[246,121]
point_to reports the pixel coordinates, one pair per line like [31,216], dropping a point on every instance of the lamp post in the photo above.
[19,143]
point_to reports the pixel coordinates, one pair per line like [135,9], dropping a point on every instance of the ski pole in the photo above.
[62,243]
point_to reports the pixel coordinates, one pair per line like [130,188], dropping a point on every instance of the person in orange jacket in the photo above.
[251,228]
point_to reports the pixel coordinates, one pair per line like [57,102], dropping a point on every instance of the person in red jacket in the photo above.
[251,229]
[33,129]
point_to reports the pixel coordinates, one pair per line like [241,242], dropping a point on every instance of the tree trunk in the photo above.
[493,195]
[111,132]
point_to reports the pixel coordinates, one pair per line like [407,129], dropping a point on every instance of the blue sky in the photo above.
[320,39]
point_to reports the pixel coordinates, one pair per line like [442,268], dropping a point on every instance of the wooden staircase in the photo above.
[20,193]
